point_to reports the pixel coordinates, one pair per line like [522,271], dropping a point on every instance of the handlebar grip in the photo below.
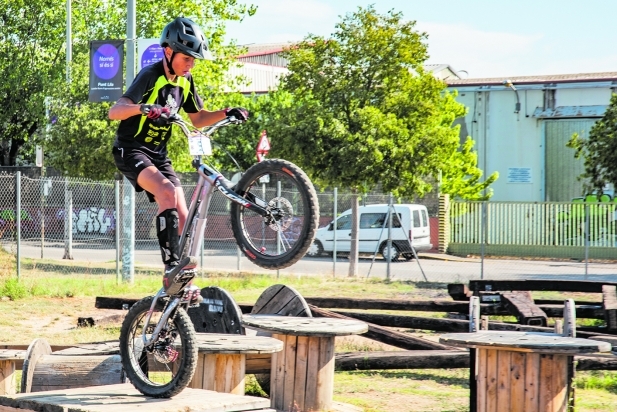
[234,120]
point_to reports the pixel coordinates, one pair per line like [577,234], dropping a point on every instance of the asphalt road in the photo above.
[432,267]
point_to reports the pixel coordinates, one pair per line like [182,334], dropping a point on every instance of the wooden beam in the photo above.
[390,337]
[439,305]
[609,303]
[417,359]
[454,325]
[411,322]
[103,302]
[459,291]
[520,304]
[553,309]
[477,286]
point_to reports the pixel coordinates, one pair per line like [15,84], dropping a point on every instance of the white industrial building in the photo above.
[521,126]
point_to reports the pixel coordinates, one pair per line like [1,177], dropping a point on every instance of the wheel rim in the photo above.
[279,237]
[313,250]
[390,251]
[157,366]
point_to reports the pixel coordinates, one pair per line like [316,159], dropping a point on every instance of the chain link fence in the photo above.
[70,226]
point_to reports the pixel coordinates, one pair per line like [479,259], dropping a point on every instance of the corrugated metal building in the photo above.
[263,66]
[266,53]
[521,126]
[260,78]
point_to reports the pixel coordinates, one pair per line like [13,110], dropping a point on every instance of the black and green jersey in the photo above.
[152,87]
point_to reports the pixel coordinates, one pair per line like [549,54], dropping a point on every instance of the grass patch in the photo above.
[589,380]
[71,281]
[427,390]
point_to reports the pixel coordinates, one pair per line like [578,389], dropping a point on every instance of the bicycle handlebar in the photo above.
[175,118]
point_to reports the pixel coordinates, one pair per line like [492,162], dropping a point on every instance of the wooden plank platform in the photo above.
[125,398]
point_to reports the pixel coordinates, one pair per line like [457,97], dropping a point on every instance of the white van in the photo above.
[412,224]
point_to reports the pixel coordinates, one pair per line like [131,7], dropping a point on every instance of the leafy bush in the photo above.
[13,289]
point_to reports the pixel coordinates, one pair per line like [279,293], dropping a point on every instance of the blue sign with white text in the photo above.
[106,70]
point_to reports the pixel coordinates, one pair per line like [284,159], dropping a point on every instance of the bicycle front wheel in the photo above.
[166,367]
[281,239]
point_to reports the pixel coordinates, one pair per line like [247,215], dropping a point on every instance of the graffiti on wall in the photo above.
[90,220]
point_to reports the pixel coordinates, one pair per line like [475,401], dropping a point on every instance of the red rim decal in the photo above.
[249,254]
[289,172]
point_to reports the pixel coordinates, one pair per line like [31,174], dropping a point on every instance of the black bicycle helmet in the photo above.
[184,36]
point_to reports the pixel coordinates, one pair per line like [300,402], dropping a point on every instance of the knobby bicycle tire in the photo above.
[138,362]
[283,185]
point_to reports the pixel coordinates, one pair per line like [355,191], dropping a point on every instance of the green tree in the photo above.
[31,58]
[599,151]
[461,177]
[32,54]
[265,110]
[364,112]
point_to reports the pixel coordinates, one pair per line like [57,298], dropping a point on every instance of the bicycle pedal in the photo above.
[177,277]
[185,276]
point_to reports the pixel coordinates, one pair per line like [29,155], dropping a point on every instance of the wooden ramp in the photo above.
[125,398]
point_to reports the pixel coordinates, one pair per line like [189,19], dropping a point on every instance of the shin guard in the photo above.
[167,224]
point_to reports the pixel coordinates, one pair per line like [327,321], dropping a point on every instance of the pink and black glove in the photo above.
[240,113]
[154,111]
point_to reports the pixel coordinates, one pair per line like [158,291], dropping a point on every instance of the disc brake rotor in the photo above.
[166,354]
[282,212]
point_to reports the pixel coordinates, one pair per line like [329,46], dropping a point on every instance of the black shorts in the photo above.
[131,161]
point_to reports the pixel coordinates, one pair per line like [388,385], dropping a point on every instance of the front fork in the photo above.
[171,307]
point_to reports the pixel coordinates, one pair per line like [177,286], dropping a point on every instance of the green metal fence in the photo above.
[550,229]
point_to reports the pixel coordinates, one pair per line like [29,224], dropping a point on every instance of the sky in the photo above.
[478,38]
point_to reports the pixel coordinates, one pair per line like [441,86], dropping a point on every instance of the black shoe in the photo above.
[178,275]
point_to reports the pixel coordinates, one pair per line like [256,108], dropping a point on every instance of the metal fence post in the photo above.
[43,188]
[587,236]
[18,221]
[128,230]
[68,225]
[389,259]
[483,224]
[335,212]
[118,227]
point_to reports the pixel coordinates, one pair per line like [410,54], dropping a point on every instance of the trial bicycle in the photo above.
[274,217]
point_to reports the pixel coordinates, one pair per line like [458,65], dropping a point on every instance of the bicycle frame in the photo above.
[209,180]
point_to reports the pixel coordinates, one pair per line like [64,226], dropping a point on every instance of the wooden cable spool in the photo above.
[44,371]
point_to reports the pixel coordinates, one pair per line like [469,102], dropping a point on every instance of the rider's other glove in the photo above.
[239,113]
[154,111]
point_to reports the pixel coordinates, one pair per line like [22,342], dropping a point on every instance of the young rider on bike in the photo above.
[140,147]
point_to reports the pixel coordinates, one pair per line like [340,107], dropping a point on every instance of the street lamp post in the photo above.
[69,42]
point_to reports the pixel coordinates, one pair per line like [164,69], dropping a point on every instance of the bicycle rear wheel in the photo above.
[166,367]
[279,240]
